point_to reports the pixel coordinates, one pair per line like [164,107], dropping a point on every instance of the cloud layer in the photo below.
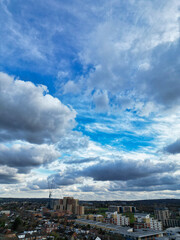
[26,157]
[89,98]
[126,170]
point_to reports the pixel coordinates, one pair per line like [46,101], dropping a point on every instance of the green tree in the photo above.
[3,220]
[16,224]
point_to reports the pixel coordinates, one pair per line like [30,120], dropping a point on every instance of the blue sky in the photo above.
[89,97]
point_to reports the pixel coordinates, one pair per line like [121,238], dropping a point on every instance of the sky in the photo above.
[90,99]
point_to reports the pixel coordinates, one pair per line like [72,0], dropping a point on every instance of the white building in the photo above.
[150,222]
[141,217]
[122,220]
[155,224]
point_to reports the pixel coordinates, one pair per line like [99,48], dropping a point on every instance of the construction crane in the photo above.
[51,186]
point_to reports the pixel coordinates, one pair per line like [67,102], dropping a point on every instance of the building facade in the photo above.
[121,209]
[68,205]
[162,213]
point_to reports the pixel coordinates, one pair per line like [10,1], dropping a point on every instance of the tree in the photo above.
[3,220]
[16,224]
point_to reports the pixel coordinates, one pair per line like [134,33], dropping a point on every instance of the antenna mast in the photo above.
[50,187]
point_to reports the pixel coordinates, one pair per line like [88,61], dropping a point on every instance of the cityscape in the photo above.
[90,119]
[70,218]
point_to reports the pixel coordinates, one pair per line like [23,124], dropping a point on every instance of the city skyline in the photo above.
[90,99]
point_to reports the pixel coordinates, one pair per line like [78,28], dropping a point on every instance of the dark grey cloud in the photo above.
[29,113]
[8,175]
[173,148]
[26,157]
[152,183]
[83,160]
[124,175]
[37,184]
[161,82]
[8,179]
[54,181]
[125,170]
[60,179]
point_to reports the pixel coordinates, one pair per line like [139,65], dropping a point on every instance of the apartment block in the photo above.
[162,213]
[118,219]
[68,205]
[122,220]
[121,209]
[143,220]
[155,224]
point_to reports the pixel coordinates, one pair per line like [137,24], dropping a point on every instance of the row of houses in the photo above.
[140,220]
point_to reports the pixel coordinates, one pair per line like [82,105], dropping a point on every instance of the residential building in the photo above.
[162,213]
[118,219]
[143,220]
[121,209]
[68,205]
[156,224]
[171,222]
[122,220]
[142,217]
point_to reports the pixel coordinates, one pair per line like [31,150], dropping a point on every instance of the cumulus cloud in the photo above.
[60,179]
[173,148]
[161,82]
[142,58]
[125,170]
[27,156]
[37,184]
[29,113]
[123,174]
[149,183]
[157,84]
[8,175]
[54,181]
[120,175]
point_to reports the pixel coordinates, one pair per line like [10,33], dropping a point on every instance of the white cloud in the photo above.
[29,113]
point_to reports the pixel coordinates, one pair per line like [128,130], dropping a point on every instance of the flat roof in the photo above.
[122,230]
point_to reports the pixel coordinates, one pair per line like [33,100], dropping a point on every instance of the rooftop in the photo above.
[126,231]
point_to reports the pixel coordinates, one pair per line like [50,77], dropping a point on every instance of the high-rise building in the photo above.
[121,209]
[68,205]
[162,213]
